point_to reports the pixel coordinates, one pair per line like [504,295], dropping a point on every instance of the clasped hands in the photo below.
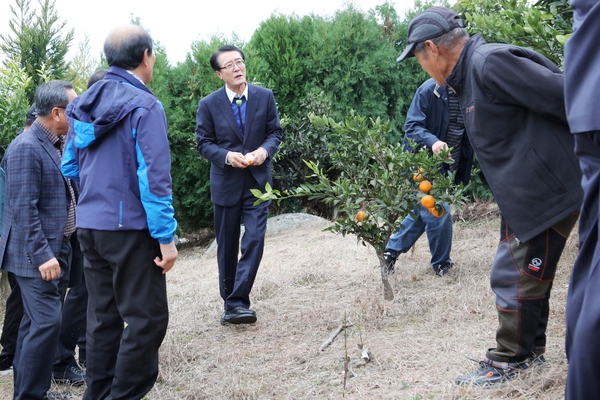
[239,160]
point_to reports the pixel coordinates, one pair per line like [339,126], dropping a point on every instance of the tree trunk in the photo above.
[388,292]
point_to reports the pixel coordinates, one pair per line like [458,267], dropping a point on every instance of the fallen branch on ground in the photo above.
[332,338]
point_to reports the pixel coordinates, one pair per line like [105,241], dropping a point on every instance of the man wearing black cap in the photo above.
[30,117]
[514,112]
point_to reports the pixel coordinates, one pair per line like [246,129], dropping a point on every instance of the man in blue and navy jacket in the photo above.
[434,121]
[117,147]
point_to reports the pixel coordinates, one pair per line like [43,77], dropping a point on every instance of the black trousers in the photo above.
[39,330]
[127,313]
[583,300]
[73,318]
[521,277]
[237,275]
[12,320]
[72,328]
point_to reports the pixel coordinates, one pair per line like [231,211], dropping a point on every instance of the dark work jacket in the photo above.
[513,104]
[427,122]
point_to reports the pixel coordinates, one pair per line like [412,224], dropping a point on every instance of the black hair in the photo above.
[51,94]
[223,49]
[96,76]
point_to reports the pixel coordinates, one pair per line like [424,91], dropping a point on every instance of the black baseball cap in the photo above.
[429,24]
[30,115]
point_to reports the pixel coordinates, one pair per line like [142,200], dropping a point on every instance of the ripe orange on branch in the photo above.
[418,177]
[425,186]
[428,201]
[435,212]
[361,216]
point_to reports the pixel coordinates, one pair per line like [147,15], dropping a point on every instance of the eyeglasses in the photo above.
[229,66]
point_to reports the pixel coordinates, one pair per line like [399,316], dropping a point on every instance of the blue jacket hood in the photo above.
[91,118]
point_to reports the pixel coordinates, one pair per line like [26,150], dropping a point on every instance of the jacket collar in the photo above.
[122,75]
[37,131]
[456,79]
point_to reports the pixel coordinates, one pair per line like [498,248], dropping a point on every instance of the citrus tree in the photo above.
[376,184]
[542,25]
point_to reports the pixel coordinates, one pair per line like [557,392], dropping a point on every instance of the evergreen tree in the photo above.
[37,42]
[82,66]
[13,102]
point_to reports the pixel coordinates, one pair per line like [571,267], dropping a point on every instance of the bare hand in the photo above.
[257,157]
[237,160]
[50,270]
[169,255]
[439,146]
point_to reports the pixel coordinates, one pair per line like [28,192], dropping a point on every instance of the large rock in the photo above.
[279,224]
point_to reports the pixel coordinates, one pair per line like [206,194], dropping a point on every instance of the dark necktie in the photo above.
[239,110]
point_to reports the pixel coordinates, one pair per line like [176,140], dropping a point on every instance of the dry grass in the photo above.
[308,283]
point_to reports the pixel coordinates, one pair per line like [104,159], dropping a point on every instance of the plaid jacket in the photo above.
[36,202]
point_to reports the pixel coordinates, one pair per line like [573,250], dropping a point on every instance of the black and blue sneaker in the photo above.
[390,262]
[487,375]
[443,269]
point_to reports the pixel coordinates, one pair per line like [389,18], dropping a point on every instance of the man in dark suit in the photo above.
[238,131]
[38,222]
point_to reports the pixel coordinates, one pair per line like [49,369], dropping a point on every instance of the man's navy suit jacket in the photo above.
[218,133]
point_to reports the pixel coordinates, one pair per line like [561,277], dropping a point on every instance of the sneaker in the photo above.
[486,375]
[73,376]
[535,361]
[390,261]
[57,395]
[443,269]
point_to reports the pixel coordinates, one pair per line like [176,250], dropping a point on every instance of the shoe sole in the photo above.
[474,382]
[487,383]
[244,319]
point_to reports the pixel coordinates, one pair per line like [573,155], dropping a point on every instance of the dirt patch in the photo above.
[310,282]
[476,211]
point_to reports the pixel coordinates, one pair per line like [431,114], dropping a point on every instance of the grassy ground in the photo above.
[312,281]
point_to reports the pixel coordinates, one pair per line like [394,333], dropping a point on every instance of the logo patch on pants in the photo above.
[535,265]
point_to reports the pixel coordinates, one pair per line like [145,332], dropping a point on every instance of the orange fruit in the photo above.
[428,201]
[418,177]
[361,216]
[425,186]
[435,212]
